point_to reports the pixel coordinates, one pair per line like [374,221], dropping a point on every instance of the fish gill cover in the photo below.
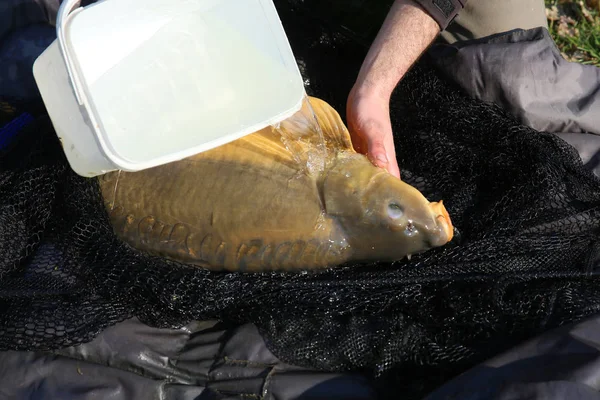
[524,260]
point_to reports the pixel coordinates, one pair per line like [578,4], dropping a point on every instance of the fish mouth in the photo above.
[443,219]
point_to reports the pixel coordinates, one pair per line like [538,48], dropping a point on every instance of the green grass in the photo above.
[575,27]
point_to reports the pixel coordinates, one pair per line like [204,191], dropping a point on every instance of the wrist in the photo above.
[365,89]
[405,34]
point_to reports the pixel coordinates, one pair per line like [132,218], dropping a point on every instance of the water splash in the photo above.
[303,136]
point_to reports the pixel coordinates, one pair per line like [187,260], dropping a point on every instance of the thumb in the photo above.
[383,156]
[377,153]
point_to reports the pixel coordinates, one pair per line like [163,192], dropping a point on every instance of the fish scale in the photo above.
[253,205]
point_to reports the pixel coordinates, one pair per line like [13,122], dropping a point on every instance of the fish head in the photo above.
[382,217]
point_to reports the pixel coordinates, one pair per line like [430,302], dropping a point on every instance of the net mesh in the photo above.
[525,257]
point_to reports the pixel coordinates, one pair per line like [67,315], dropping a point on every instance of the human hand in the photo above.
[368,117]
[405,34]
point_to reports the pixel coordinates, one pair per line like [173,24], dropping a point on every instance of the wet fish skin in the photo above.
[251,206]
[383,218]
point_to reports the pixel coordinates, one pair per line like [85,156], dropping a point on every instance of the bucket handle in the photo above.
[65,9]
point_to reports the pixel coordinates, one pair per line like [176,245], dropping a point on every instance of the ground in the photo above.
[575,26]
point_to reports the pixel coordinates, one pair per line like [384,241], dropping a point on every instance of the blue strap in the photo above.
[11,129]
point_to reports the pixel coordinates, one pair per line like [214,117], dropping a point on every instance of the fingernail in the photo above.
[382,158]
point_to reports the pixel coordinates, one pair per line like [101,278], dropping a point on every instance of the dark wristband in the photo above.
[442,11]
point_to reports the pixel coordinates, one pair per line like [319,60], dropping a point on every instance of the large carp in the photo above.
[282,198]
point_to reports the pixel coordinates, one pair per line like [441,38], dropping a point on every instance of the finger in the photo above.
[393,167]
[377,153]
[382,153]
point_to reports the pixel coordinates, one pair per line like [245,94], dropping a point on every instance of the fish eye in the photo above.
[395,211]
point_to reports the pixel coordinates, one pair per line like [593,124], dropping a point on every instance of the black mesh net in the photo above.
[525,257]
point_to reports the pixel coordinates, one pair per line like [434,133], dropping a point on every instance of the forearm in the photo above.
[405,34]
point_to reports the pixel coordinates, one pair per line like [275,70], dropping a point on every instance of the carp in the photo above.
[291,197]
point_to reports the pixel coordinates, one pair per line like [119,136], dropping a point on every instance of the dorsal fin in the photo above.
[334,129]
[318,123]
[297,142]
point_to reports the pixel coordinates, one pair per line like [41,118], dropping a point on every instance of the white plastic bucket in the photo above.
[132,84]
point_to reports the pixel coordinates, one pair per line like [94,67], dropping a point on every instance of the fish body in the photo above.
[292,197]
